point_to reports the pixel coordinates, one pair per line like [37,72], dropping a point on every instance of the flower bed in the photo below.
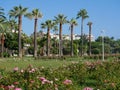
[77,76]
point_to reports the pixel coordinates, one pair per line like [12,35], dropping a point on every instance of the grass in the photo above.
[9,63]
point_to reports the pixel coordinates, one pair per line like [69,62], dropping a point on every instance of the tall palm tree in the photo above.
[90,27]
[83,14]
[60,19]
[2,19]
[18,12]
[73,23]
[49,25]
[35,15]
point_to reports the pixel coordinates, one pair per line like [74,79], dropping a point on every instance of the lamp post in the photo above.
[102,44]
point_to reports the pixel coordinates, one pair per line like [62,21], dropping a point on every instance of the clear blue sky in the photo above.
[105,14]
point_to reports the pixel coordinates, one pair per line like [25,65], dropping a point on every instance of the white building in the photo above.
[67,37]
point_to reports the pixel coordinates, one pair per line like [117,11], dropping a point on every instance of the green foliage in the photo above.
[6,54]
[11,41]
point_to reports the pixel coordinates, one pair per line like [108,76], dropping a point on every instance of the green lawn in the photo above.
[9,63]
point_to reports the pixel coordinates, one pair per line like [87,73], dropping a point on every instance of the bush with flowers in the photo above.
[96,75]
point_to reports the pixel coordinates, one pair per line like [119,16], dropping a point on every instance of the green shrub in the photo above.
[6,54]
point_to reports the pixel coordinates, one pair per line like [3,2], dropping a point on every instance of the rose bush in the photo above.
[96,75]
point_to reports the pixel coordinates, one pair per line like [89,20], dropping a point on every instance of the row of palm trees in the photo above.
[18,12]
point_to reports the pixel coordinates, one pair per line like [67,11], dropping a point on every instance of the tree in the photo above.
[13,25]
[18,12]
[49,25]
[42,45]
[11,39]
[35,14]
[60,19]
[73,23]
[83,14]
[2,39]
[2,17]
[4,29]
[90,27]
[55,40]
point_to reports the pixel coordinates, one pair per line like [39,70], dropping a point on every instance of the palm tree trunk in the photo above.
[82,37]
[48,42]
[19,36]
[2,42]
[72,40]
[35,38]
[89,40]
[60,42]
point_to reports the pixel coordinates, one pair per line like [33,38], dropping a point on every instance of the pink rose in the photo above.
[44,80]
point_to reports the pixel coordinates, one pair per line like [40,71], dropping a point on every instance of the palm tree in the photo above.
[73,23]
[49,25]
[60,19]
[55,30]
[18,12]
[35,15]
[2,17]
[90,27]
[4,29]
[83,14]
[2,39]
[13,25]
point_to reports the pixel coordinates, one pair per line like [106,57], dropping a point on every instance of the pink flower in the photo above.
[17,89]
[15,69]
[44,80]
[67,82]
[33,70]
[88,88]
